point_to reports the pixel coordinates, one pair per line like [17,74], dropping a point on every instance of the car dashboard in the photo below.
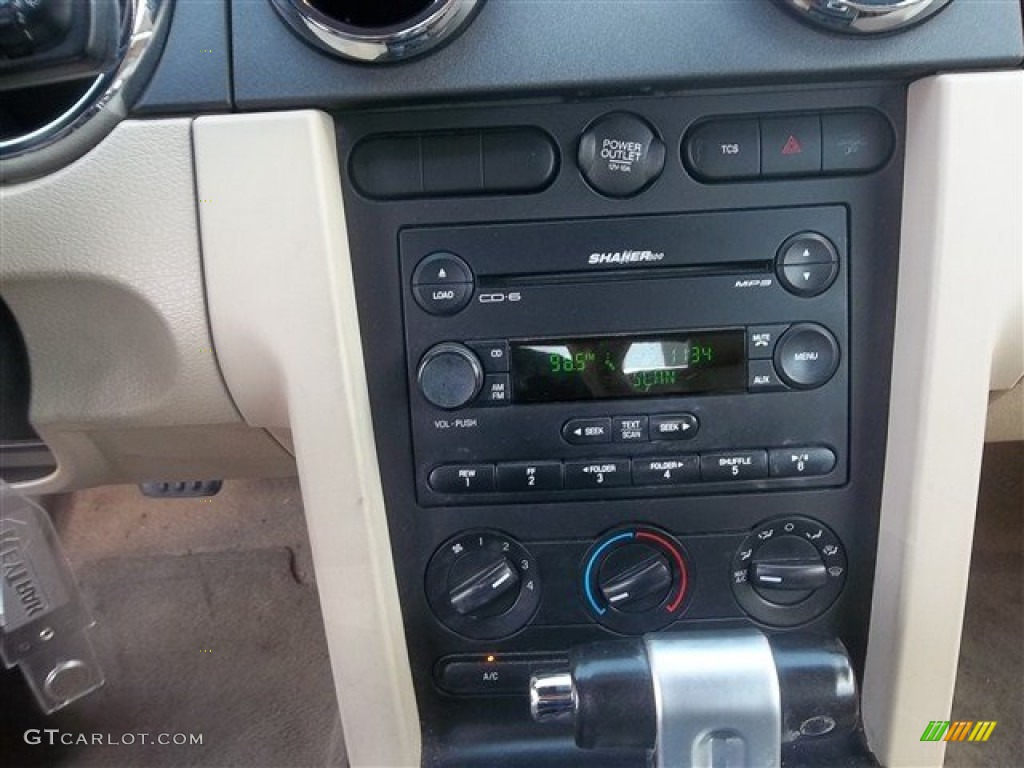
[661,329]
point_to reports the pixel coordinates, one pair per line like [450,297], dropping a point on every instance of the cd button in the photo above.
[733,465]
[682,426]
[671,471]
[493,355]
[587,431]
[587,475]
[523,476]
[629,429]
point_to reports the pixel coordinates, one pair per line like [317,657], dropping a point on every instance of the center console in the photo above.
[628,363]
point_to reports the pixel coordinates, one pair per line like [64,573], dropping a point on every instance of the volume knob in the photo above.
[450,376]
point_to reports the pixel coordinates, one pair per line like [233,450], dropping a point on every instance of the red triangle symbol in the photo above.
[792,146]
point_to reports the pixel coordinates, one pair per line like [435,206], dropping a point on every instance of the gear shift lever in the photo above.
[726,699]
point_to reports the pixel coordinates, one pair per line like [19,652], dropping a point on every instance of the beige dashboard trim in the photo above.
[962,243]
[283,314]
[100,265]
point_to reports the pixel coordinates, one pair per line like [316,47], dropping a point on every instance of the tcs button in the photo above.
[620,155]
[724,149]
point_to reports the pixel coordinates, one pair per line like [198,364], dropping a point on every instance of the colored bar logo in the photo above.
[958,730]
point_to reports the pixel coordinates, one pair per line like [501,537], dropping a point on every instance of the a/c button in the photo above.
[486,677]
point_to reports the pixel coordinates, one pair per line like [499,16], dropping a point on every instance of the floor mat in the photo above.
[211,628]
[990,678]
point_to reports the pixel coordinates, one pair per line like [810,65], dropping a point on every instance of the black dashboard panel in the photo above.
[515,580]
[590,47]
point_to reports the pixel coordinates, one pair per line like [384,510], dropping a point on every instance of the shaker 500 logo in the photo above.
[624,257]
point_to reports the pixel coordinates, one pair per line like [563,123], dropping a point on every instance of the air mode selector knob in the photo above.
[450,376]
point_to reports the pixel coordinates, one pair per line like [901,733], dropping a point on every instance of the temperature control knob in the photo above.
[483,585]
[635,580]
[635,577]
[450,375]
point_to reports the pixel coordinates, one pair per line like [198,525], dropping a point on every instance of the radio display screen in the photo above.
[609,367]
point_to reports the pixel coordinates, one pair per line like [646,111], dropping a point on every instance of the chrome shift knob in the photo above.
[552,696]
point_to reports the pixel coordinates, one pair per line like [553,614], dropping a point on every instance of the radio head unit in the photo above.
[691,358]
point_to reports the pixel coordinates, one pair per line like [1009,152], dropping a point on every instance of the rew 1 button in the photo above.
[620,155]
[464,478]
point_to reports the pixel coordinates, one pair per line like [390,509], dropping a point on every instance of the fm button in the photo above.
[620,155]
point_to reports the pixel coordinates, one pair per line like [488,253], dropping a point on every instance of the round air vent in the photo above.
[865,17]
[377,32]
[68,71]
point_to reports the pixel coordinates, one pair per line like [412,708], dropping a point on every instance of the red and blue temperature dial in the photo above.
[635,580]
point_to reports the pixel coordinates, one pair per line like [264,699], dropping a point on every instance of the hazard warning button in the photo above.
[791,145]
